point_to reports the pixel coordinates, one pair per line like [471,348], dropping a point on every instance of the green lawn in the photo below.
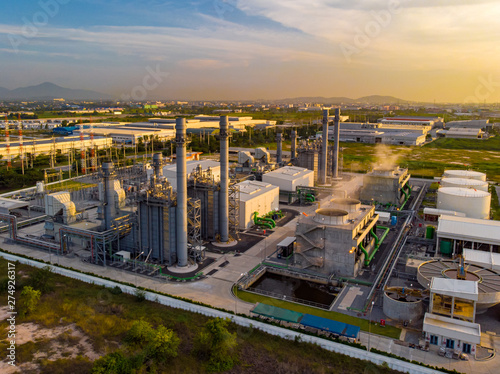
[390,331]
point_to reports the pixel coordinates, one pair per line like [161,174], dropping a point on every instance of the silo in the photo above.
[465,183]
[474,203]
[467,174]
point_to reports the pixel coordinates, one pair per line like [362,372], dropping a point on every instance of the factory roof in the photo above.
[277,313]
[455,287]
[8,204]
[289,172]
[439,212]
[452,328]
[472,229]
[191,165]
[287,241]
[336,327]
[251,189]
[490,260]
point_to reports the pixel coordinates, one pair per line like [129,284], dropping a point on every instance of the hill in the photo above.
[49,91]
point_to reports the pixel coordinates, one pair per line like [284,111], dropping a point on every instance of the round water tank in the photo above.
[474,203]
[467,174]
[407,308]
[331,216]
[465,183]
[349,205]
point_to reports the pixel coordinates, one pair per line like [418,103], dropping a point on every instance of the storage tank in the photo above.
[465,183]
[402,304]
[474,203]
[467,174]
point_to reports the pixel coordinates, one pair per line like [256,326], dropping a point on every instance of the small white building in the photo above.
[170,171]
[455,234]
[260,197]
[288,178]
[450,321]
[464,133]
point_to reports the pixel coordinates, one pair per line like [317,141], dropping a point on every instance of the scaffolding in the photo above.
[194,229]
[234,210]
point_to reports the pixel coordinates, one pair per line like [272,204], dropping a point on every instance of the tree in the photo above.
[29,300]
[164,344]
[41,279]
[217,344]
[141,333]
[113,363]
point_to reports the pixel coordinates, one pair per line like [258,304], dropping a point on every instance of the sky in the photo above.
[419,50]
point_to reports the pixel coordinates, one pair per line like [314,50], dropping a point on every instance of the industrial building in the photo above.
[194,166]
[49,146]
[462,133]
[469,124]
[132,135]
[472,202]
[257,197]
[386,186]
[289,178]
[455,234]
[414,121]
[450,321]
[338,240]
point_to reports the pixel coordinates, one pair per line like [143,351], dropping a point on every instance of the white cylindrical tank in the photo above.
[467,174]
[474,203]
[465,183]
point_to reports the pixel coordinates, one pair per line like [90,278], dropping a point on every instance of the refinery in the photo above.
[289,225]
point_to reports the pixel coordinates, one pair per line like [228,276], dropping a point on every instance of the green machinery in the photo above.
[267,220]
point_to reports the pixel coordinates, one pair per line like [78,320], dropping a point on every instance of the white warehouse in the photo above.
[260,197]
[288,178]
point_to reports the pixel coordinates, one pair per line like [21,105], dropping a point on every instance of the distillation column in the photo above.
[108,174]
[224,180]
[181,211]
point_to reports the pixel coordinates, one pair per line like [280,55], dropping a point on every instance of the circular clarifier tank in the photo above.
[331,216]
[349,205]
[401,305]
[488,279]
[468,174]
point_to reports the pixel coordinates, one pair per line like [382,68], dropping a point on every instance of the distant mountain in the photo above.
[49,91]
[373,99]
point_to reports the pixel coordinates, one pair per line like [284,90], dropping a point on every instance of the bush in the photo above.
[141,333]
[29,300]
[41,279]
[164,345]
[217,344]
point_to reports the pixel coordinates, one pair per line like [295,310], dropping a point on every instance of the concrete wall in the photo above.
[241,321]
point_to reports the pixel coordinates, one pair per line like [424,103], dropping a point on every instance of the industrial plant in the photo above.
[299,227]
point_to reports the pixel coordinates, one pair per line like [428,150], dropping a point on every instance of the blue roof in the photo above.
[336,327]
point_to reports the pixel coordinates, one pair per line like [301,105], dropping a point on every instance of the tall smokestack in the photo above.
[108,173]
[224,180]
[336,130]
[279,151]
[181,211]
[324,152]
[293,147]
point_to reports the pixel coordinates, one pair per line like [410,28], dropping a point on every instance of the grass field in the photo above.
[428,161]
[390,331]
[104,316]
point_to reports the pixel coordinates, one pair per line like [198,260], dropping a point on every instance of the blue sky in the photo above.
[250,49]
